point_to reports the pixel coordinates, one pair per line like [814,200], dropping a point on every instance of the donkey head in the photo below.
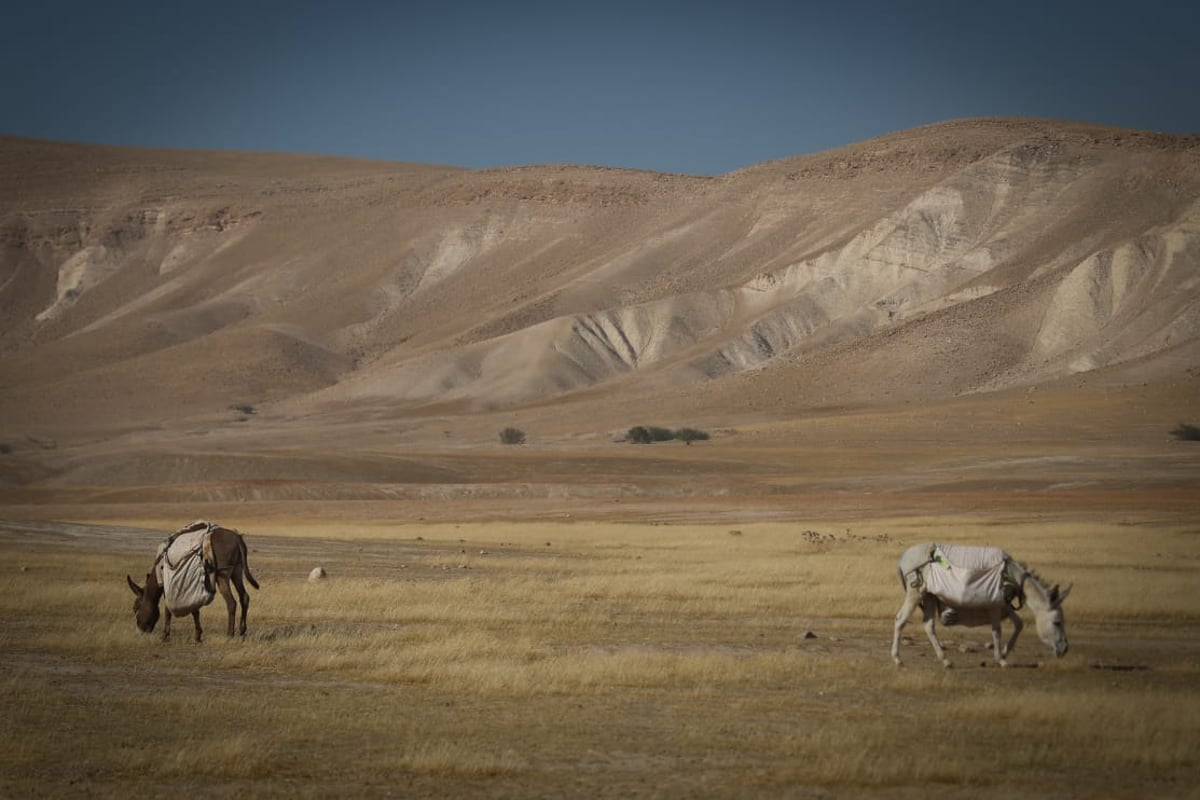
[145,604]
[1051,626]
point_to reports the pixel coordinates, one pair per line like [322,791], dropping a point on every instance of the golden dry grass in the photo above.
[596,659]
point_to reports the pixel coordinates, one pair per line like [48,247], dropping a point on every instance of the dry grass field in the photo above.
[598,659]
[980,331]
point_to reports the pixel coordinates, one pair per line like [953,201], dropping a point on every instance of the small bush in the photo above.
[1187,433]
[512,436]
[244,408]
[638,435]
[660,434]
[689,435]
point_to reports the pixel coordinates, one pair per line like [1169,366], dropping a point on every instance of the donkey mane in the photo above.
[1047,595]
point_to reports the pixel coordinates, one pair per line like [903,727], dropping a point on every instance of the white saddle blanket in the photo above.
[967,577]
[182,572]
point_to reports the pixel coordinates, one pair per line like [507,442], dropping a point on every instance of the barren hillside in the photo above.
[145,295]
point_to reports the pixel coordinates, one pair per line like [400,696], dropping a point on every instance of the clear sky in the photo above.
[696,87]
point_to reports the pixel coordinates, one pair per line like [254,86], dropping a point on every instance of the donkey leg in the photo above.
[996,649]
[1018,625]
[244,596]
[196,622]
[167,626]
[911,598]
[929,610]
[230,605]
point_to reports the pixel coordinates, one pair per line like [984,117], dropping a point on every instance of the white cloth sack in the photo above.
[967,577]
[182,573]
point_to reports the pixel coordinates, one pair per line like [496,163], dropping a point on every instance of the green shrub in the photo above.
[689,435]
[1187,433]
[512,436]
[658,434]
[638,434]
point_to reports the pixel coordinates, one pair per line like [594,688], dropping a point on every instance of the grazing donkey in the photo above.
[976,586]
[200,552]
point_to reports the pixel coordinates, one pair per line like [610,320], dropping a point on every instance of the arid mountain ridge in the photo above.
[145,291]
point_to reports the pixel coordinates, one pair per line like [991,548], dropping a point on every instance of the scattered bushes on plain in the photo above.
[648,434]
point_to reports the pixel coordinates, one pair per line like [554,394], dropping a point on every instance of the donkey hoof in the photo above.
[947,663]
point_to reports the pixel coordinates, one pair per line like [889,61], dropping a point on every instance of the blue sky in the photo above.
[696,87]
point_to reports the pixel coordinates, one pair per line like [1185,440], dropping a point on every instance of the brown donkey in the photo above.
[223,552]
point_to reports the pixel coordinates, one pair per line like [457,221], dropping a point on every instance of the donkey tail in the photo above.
[246,562]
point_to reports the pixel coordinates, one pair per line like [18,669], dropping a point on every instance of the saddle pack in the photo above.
[966,577]
[186,564]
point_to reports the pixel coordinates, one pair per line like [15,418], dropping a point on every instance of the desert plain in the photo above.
[981,332]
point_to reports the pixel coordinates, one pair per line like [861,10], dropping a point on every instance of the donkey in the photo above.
[1021,586]
[225,554]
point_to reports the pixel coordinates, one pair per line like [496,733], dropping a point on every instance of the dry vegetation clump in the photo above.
[623,657]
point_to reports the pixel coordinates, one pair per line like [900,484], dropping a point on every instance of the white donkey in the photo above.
[976,586]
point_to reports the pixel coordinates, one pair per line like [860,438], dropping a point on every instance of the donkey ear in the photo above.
[139,591]
[1064,594]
